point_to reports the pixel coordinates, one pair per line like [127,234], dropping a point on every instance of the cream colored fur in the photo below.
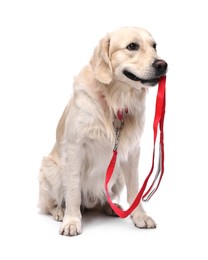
[72,175]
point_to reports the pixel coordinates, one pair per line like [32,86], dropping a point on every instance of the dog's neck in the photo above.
[120,98]
[113,97]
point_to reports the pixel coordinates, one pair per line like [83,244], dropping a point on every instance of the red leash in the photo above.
[145,196]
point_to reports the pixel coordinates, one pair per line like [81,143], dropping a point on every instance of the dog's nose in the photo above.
[160,67]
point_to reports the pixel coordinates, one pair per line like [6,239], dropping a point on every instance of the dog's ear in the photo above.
[100,62]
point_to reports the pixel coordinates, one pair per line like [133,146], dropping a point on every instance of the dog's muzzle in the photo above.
[160,69]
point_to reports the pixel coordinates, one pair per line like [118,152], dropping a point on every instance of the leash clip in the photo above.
[118,125]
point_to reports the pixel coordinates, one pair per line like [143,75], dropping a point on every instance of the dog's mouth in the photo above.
[149,82]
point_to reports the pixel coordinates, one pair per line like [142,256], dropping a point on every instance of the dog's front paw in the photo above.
[70,227]
[143,221]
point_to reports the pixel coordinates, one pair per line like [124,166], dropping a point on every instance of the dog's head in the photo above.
[128,55]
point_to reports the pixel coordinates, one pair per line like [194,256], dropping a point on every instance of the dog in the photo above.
[122,68]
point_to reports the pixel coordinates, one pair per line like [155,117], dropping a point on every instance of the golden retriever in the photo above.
[124,64]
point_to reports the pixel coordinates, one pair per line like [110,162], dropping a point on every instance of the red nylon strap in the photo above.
[158,120]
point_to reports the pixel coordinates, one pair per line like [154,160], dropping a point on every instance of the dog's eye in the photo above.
[154,46]
[133,46]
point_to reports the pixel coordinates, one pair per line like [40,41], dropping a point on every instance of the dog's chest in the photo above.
[98,149]
[101,141]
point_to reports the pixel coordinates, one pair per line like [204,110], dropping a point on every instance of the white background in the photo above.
[43,44]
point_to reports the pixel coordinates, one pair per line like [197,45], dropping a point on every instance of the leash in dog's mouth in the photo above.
[157,125]
[133,77]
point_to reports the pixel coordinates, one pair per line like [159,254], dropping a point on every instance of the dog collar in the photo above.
[121,112]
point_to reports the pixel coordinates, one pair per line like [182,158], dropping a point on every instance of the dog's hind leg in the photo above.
[109,211]
[50,192]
